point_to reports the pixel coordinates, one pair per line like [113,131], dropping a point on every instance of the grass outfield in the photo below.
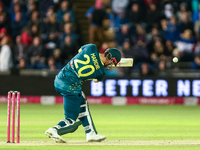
[126,127]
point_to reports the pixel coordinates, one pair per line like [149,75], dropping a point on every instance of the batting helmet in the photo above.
[113,54]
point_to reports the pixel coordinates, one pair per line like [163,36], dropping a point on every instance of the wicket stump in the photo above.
[11,97]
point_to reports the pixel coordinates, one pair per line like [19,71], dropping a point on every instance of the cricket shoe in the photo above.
[52,133]
[93,137]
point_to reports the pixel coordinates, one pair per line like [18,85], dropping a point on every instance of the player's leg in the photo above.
[85,116]
[87,122]
[71,105]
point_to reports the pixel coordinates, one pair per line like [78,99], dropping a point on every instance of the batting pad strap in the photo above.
[57,126]
[86,128]
[67,122]
[84,105]
[83,114]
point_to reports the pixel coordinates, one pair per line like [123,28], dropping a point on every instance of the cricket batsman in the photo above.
[88,64]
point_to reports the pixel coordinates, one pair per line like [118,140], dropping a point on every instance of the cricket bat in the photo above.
[125,62]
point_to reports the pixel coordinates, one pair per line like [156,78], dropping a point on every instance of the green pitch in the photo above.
[126,127]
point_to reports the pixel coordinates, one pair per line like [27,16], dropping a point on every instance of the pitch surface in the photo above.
[126,127]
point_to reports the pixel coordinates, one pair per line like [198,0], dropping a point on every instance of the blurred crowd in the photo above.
[44,34]
[37,34]
[153,32]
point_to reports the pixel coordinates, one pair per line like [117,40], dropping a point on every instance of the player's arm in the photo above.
[95,80]
[99,78]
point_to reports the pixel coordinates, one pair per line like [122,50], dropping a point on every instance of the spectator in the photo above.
[51,43]
[57,4]
[195,5]
[151,18]
[120,19]
[122,33]
[195,15]
[197,48]
[29,3]
[3,33]
[52,65]
[172,32]
[57,57]
[26,36]
[50,11]
[17,9]
[146,71]
[197,28]
[22,64]
[67,19]
[5,55]
[154,34]
[4,19]
[186,42]
[17,25]
[163,26]
[127,50]
[134,15]
[20,50]
[32,8]
[196,64]
[35,21]
[161,68]
[140,35]
[119,6]
[43,6]
[96,15]
[168,12]
[52,26]
[2,8]
[16,2]
[158,52]
[140,53]
[35,31]
[169,49]
[68,32]
[65,8]
[37,54]
[183,8]
[3,22]
[141,4]
[185,23]
[149,2]
[68,50]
